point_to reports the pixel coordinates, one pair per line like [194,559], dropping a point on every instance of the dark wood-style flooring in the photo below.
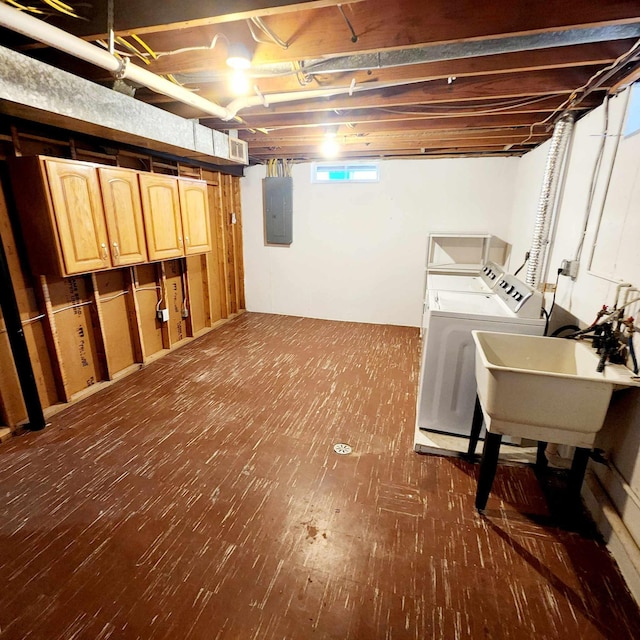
[201,498]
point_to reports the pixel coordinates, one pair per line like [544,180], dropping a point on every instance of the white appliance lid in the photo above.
[473,284]
[465,304]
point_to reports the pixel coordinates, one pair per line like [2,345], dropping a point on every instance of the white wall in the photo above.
[358,250]
[617,258]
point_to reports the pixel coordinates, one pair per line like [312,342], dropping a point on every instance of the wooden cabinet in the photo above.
[194,207]
[79,217]
[62,215]
[161,209]
[123,214]
[176,216]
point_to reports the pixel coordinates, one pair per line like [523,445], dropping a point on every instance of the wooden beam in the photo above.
[144,16]
[420,138]
[490,150]
[384,25]
[443,111]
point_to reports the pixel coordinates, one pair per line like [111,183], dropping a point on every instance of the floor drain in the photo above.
[342,448]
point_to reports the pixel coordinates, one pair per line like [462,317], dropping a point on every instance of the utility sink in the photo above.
[544,388]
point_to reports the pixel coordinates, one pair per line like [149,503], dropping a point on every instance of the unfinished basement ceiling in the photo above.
[410,78]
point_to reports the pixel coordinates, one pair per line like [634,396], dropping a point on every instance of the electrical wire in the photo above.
[73,306]
[212,44]
[500,106]
[22,7]
[526,259]
[268,32]
[553,304]
[160,301]
[117,295]
[569,101]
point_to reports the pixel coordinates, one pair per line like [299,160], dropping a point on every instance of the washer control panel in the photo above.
[522,299]
[491,274]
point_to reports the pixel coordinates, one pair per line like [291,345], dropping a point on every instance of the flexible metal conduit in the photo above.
[561,134]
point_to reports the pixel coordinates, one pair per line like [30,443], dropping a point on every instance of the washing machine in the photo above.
[484,282]
[447,386]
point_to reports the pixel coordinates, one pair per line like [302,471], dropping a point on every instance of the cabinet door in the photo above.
[77,207]
[161,210]
[194,208]
[123,213]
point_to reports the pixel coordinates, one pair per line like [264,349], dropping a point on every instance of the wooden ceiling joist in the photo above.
[413,79]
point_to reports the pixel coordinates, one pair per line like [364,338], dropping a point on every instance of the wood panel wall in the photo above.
[85,331]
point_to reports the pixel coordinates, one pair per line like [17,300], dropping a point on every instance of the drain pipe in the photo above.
[31,27]
[555,157]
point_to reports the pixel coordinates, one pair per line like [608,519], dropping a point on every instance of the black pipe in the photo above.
[11,314]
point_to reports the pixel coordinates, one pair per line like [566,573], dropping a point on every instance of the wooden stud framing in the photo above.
[90,329]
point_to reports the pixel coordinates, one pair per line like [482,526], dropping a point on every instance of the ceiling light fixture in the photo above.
[238,56]
[239,83]
[330,147]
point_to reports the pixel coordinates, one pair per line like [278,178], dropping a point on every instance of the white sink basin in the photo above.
[544,388]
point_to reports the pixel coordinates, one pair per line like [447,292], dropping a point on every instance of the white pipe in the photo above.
[255,101]
[57,38]
[47,34]
[612,165]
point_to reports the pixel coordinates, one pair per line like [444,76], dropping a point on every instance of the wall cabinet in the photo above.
[123,214]
[161,208]
[62,215]
[196,222]
[80,217]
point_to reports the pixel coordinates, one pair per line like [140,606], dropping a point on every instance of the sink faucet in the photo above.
[606,342]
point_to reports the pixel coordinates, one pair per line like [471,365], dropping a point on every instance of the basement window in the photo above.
[332,173]
[633,113]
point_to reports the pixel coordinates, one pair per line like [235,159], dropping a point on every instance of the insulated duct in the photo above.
[550,180]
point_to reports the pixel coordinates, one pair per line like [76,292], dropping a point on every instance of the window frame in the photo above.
[347,167]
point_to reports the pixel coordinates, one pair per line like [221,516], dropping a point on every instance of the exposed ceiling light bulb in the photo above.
[238,56]
[239,83]
[330,147]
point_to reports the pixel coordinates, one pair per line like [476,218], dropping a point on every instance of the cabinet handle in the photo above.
[186,239]
[180,240]
[116,250]
[105,255]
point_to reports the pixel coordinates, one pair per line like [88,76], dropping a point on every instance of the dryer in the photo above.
[447,386]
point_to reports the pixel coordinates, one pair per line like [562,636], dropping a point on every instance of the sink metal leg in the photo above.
[541,458]
[476,427]
[488,466]
[578,468]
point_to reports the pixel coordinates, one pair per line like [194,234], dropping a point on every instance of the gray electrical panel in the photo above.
[278,210]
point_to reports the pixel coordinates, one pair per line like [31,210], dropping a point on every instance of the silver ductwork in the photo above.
[546,203]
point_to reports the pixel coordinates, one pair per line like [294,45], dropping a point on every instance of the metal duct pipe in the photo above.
[47,34]
[435,53]
[555,157]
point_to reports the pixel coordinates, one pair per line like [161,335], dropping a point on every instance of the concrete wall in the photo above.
[359,250]
[616,257]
